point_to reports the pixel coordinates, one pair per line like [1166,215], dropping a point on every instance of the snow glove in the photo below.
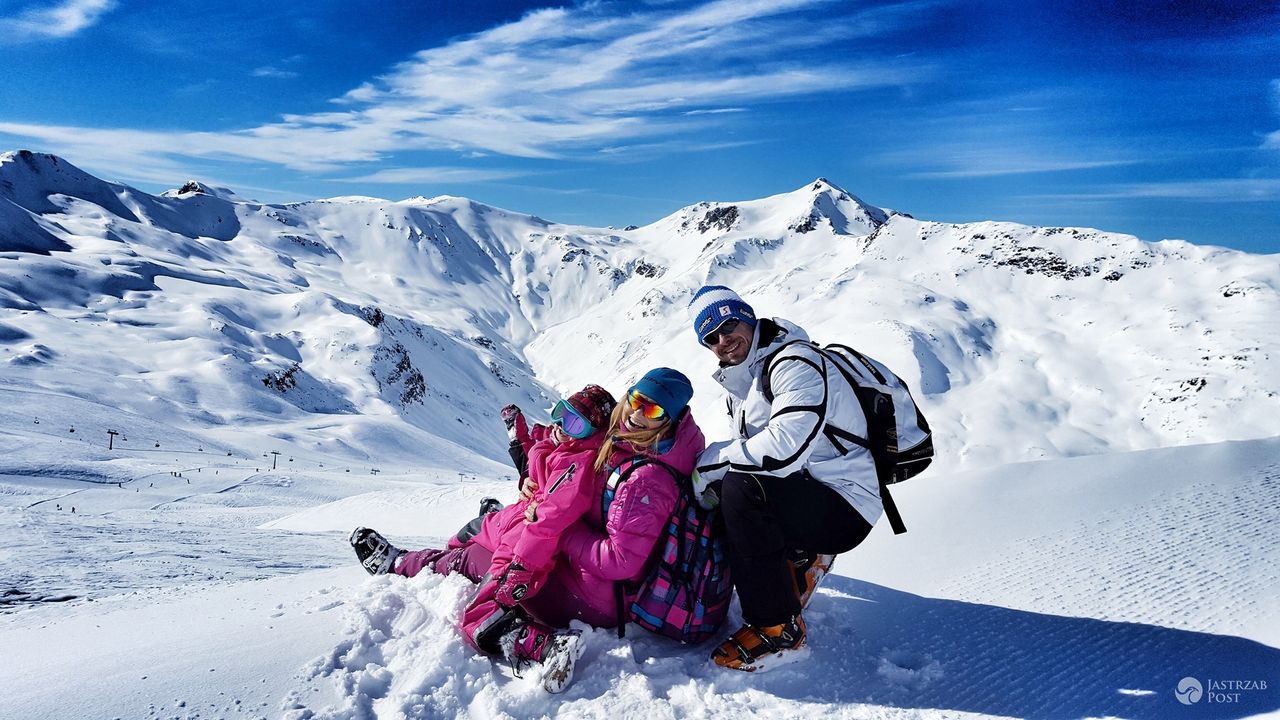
[713,465]
[705,490]
[515,585]
[517,428]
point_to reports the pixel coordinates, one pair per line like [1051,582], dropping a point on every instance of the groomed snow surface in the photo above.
[1068,588]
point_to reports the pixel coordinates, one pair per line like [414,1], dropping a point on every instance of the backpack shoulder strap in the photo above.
[871,368]
[766,383]
[683,483]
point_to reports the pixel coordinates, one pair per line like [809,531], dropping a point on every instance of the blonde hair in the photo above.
[639,440]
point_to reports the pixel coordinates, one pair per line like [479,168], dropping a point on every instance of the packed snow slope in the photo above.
[385,331]
[1085,587]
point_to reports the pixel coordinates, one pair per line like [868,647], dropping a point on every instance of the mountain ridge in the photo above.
[419,318]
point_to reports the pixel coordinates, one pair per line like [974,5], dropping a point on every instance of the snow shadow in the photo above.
[886,647]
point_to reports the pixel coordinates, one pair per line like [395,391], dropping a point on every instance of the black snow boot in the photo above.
[376,554]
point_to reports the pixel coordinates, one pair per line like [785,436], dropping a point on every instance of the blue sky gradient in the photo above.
[1160,119]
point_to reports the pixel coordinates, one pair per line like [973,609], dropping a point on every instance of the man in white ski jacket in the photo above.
[792,488]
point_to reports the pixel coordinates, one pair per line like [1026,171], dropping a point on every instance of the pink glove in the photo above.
[517,428]
[515,585]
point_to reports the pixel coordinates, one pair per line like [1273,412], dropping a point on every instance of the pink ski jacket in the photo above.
[600,550]
[567,485]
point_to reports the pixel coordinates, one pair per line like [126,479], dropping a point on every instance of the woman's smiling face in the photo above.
[632,420]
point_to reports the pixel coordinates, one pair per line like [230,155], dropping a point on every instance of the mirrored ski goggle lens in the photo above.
[646,407]
[573,424]
[726,327]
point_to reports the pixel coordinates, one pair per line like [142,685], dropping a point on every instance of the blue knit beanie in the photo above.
[669,388]
[712,305]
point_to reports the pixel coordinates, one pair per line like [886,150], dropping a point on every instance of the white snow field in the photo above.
[1100,523]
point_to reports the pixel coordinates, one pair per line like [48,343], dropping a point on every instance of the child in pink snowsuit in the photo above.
[610,542]
[561,486]
[516,548]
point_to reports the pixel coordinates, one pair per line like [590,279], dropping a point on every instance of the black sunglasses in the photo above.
[728,326]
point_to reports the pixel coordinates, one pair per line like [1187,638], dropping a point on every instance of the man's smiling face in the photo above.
[732,341]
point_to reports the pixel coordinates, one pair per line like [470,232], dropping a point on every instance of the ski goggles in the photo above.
[713,338]
[571,421]
[644,406]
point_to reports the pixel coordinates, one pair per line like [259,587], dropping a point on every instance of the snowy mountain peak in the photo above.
[29,178]
[819,205]
[845,213]
[357,323]
[195,187]
[31,162]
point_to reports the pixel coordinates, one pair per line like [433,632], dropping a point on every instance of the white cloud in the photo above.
[452,175]
[1000,163]
[269,71]
[59,20]
[1272,140]
[1005,152]
[715,111]
[557,82]
[1213,190]
[1002,135]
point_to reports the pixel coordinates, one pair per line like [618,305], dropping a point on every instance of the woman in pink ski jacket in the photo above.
[615,540]
[612,541]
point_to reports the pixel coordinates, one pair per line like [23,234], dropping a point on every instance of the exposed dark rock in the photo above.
[414,387]
[721,217]
[649,270]
[496,370]
[282,380]
[808,225]
[373,316]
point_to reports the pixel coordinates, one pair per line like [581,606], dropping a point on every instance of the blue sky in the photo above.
[1160,119]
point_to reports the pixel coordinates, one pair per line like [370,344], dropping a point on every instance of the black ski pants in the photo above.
[765,517]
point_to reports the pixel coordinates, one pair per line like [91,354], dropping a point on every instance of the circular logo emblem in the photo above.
[1189,691]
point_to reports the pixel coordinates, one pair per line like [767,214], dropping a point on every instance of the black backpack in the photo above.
[898,435]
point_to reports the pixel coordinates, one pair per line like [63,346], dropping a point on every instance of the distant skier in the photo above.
[791,500]
[611,545]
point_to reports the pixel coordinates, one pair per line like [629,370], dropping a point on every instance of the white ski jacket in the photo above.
[786,436]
